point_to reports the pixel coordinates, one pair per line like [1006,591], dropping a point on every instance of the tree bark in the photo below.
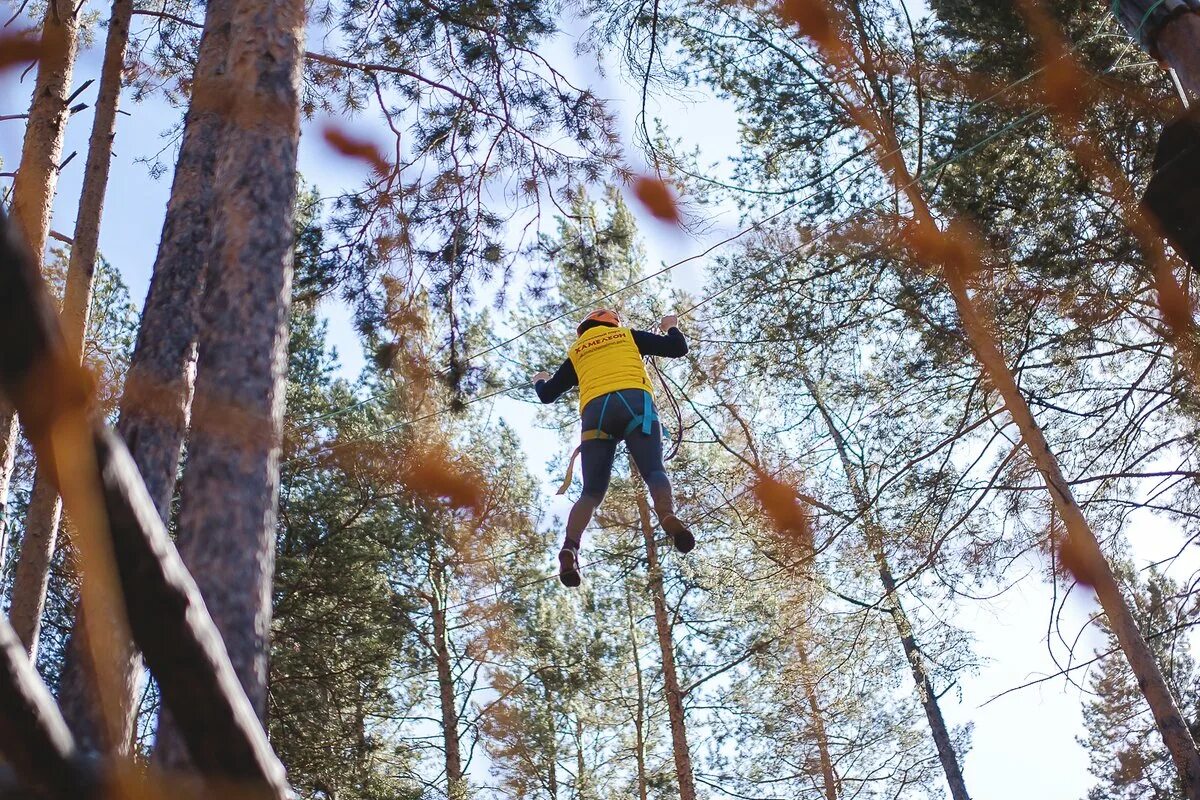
[455,785]
[916,662]
[33,199]
[33,566]
[9,433]
[157,400]
[552,738]
[662,624]
[828,776]
[230,489]
[43,516]
[956,254]
[581,782]
[639,719]
[37,176]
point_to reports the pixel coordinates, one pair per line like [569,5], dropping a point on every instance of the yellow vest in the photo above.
[607,360]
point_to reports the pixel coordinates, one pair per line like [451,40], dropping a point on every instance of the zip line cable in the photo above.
[746,230]
[950,160]
[448,409]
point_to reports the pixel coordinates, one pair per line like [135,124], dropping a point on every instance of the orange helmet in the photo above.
[604,316]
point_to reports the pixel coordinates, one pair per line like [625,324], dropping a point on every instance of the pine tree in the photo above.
[337,639]
[156,405]
[41,522]
[229,492]
[1127,756]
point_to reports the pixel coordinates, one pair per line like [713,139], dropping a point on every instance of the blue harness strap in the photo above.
[644,420]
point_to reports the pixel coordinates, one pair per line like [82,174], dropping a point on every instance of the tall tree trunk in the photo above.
[662,624]
[552,739]
[230,489]
[581,777]
[157,400]
[455,785]
[908,640]
[956,255]
[32,202]
[1175,732]
[639,719]
[828,776]
[9,433]
[42,519]
[33,566]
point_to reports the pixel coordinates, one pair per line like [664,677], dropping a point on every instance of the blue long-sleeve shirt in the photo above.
[672,345]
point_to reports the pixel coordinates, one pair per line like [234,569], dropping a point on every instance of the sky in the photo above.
[1023,744]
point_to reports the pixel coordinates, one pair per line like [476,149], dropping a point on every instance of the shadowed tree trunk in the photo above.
[32,201]
[230,489]
[33,566]
[662,624]
[45,509]
[908,640]
[157,399]
[828,776]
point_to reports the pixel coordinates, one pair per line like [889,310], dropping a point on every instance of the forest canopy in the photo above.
[882,485]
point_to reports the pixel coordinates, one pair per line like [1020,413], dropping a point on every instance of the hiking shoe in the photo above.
[680,535]
[568,567]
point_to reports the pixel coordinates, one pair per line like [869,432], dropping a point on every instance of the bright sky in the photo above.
[1024,745]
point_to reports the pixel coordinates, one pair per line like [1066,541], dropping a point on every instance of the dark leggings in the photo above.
[597,456]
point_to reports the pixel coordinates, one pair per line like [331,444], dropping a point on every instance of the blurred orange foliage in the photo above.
[658,198]
[1073,557]
[1173,301]
[812,18]
[430,470]
[783,506]
[19,48]
[353,147]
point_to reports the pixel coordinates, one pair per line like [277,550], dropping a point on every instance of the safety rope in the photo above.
[676,411]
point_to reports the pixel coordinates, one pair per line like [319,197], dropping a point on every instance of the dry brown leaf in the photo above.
[1173,301]
[1073,557]
[658,198]
[19,48]
[430,471]
[356,148]
[783,506]
[812,18]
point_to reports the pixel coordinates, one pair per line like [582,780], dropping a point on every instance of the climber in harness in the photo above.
[615,404]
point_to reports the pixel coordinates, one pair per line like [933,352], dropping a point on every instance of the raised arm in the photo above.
[551,387]
[671,345]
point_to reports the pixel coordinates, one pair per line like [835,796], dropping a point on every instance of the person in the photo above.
[616,403]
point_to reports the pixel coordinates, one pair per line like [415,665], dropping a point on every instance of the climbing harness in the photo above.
[645,420]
